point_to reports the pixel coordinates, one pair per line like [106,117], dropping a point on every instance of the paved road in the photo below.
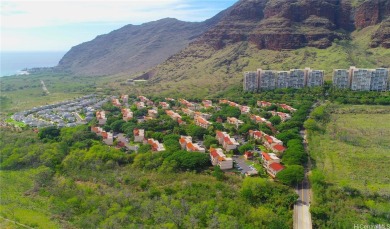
[302,216]
[44,88]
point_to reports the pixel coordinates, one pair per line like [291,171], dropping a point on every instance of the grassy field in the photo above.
[18,205]
[24,92]
[355,149]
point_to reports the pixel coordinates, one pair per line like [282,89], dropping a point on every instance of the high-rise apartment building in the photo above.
[315,78]
[297,78]
[271,79]
[341,78]
[251,82]
[267,79]
[380,79]
[360,79]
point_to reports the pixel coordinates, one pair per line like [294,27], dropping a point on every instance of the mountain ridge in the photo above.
[268,24]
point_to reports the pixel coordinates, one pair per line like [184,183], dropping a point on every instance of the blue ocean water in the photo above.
[13,62]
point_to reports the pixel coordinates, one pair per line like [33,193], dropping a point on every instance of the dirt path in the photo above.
[44,88]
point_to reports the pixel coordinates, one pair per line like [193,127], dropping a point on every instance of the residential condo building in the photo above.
[361,79]
[271,79]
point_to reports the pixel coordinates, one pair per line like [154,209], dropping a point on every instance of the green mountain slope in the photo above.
[201,70]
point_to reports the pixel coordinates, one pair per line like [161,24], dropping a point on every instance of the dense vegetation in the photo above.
[86,184]
[350,180]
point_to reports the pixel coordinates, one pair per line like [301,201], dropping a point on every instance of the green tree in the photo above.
[291,175]
[275,120]
[50,133]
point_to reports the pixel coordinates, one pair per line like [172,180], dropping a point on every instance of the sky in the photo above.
[59,25]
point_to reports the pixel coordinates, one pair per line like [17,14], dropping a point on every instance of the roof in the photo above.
[279,148]
[214,153]
[266,156]
[227,140]
[276,167]
[249,154]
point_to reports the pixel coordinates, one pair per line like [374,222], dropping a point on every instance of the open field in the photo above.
[18,205]
[24,92]
[355,150]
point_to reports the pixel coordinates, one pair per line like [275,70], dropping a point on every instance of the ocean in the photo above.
[13,63]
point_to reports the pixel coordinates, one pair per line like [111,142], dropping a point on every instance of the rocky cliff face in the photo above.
[291,24]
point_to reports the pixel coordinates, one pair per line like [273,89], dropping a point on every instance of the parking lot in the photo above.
[241,165]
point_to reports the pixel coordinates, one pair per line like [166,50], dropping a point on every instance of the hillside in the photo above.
[245,39]
[278,25]
[132,48]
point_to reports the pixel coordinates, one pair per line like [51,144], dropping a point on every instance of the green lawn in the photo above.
[18,205]
[355,150]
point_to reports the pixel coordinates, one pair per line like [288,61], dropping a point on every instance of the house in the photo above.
[258,135]
[116,103]
[233,104]
[248,155]
[108,138]
[278,148]
[97,130]
[263,104]
[202,122]
[223,101]
[139,135]
[189,105]
[245,110]
[269,158]
[271,141]
[253,172]
[287,107]
[169,99]
[152,113]
[188,112]
[143,98]
[218,158]
[207,103]
[175,116]
[259,119]
[127,114]
[156,146]
[186,144]
[203,115]
[226,141]
[125,98]
[164,105]
[283,116]
[234,121]
[101,117]
[140,105]
[274,169]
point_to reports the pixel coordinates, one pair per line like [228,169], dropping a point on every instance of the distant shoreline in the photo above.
[13,63]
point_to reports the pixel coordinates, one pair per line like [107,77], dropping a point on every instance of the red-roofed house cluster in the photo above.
[125,98]
[127,114]
[107,136]
[218,158]
[271,163]
[156,145]
[189,105]
[164,105]
[259,119]
[186,144]
[207,103]
[101,117]
[175,116]
[234,121]
[202,122]
[139,135]
[226,141]
[116,103]
[283,116]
